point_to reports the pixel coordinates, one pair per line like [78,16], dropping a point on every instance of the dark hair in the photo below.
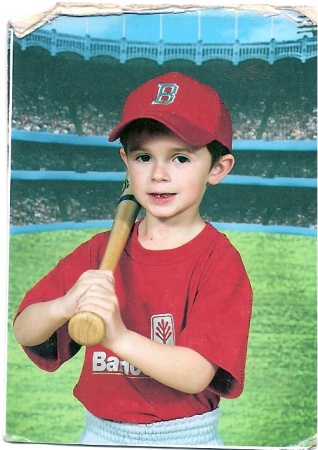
[155,128]
[217,150]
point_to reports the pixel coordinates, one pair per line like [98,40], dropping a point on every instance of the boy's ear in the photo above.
[221,169]
[123,155]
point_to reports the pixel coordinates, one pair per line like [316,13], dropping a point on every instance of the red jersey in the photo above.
[197,296]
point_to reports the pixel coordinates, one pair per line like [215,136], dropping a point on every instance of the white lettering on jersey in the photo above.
[112,364]
[166,94]
[99,363]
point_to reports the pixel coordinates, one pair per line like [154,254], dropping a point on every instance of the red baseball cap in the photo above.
[192,110]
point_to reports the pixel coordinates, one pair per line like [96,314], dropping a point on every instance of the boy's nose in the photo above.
[160,172]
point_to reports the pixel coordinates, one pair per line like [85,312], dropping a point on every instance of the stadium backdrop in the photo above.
[254,426]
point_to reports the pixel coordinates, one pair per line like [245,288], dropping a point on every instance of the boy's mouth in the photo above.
[163,195]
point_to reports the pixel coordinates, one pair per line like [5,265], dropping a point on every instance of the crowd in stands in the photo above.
[32,204]
[288,120]
[42,204]
[59,160]
[269,164]
[51,116]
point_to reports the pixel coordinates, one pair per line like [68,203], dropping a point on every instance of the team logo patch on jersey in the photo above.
[162,329]
[166,94]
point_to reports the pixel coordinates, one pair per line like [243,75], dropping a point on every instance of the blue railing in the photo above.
[161,52]
[107,224]
[69,175]
[102,141]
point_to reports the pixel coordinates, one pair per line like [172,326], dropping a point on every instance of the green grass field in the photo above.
[278,406]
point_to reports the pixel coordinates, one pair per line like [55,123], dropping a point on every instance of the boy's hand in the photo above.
[95,291]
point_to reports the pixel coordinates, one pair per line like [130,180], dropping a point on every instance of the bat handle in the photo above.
[87,328]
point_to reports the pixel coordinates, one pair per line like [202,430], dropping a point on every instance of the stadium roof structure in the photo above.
[161,52]
[197,36]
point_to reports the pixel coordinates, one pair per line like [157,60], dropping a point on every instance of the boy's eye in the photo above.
[181,159]
[143,158]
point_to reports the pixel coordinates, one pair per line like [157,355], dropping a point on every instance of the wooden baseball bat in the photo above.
[87,328]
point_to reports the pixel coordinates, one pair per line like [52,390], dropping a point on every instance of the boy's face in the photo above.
[168,176]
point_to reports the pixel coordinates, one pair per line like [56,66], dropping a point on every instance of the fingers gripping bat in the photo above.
[87,328]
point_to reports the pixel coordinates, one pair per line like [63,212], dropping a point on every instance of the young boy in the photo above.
[177,309]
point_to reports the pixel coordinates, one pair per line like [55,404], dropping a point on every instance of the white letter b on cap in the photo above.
[166,94]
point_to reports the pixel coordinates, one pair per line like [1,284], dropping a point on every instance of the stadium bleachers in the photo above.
[61,96]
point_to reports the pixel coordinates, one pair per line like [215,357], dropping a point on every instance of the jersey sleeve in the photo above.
[218,321]
[51,354]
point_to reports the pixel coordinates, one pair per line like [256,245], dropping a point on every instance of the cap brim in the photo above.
[186,130]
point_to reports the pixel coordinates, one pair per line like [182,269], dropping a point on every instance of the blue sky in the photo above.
[216,25]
